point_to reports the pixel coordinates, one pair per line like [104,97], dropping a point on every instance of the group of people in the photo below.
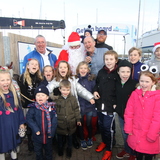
[63,98]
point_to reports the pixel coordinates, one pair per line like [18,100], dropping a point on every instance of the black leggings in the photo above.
[139,156]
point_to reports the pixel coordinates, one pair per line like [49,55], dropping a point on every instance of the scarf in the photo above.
[45,107]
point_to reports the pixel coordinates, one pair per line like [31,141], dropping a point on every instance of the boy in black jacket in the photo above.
[124,87]
[104,93]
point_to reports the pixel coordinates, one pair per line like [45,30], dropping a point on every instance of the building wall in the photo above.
[9,49]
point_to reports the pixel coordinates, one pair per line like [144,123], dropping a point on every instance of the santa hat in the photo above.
[74,39]
[156,45]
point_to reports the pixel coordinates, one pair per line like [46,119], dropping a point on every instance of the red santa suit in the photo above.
[72,56]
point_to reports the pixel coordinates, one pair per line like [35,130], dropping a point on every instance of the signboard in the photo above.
[22,23]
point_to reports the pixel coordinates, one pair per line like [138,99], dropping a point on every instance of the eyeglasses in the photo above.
[101,34]
[74,47]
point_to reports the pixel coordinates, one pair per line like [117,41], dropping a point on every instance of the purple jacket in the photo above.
[142,119]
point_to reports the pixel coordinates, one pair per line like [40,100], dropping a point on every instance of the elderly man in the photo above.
[41,53]
[94,55]
[100,40]
[73,52]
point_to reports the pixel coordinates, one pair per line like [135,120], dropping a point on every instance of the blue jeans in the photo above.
[125,136]
[106,124]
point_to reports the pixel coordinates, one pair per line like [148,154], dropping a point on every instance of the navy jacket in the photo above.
[37,121]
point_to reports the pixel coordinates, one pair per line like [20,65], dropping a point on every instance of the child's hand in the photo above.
[96,95]
[114,106]
[38,133]
[92,101]
[79,124]
[22,126]
[130,134]
[49,137]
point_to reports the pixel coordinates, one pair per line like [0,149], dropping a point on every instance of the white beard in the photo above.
[75,56]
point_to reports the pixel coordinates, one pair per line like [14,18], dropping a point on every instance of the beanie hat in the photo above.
[124,63]
[74,39]
[41,89]
[102,30]
[88,30]
[156,45]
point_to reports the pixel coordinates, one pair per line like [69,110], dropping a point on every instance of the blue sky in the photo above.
[79,12]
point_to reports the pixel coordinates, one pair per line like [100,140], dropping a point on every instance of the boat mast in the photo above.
[138,22]
[159,18]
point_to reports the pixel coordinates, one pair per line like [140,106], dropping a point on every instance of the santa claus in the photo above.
[73,52]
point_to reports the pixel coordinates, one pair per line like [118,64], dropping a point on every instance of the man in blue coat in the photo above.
[41,53]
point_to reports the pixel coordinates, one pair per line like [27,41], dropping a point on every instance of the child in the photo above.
[42,119]
[87,110]
[104,92]
[68,117]
[87,32]
[28,83]
[142,118]
[156,57]
[134,57]
[48,73]
[11,116]
[124,87]
[63,71]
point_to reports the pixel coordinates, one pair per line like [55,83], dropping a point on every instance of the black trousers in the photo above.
[47,148]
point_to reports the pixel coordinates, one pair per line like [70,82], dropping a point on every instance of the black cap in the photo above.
[102,30]
[124,63]
[41,89]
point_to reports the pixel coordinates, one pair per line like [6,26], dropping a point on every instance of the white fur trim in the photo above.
[75,43]
[155,47]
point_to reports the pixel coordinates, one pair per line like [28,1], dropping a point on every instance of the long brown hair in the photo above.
[68,75]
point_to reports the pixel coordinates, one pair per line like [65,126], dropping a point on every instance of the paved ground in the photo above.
[77,154]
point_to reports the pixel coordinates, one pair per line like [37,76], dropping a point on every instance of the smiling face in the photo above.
[110,61]
[33,66]
[48,73]
[65,91]
[134,57]
[83,70]
[157,53]
[40,44]
[63,69]
[5,81]
[124,73]
[41,98]
[146,83]
[89,44]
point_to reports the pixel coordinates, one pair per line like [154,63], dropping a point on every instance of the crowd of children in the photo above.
[58,104]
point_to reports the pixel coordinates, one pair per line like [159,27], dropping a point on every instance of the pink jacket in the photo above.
[142,119]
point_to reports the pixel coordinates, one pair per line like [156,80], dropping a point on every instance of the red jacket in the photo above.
[142,119]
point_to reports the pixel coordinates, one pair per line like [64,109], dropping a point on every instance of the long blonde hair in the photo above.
[27,77]
[12,89]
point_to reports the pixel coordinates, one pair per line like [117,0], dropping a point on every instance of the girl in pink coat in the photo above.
[142,118]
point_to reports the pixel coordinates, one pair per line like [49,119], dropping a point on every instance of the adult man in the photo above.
[73,53]
[41,53]
[95,55]
[100,40]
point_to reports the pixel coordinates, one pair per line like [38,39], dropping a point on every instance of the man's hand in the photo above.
[88,59]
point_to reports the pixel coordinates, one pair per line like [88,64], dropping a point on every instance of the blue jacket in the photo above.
[84,104]
[136,68]
[36,55]
[36,119]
